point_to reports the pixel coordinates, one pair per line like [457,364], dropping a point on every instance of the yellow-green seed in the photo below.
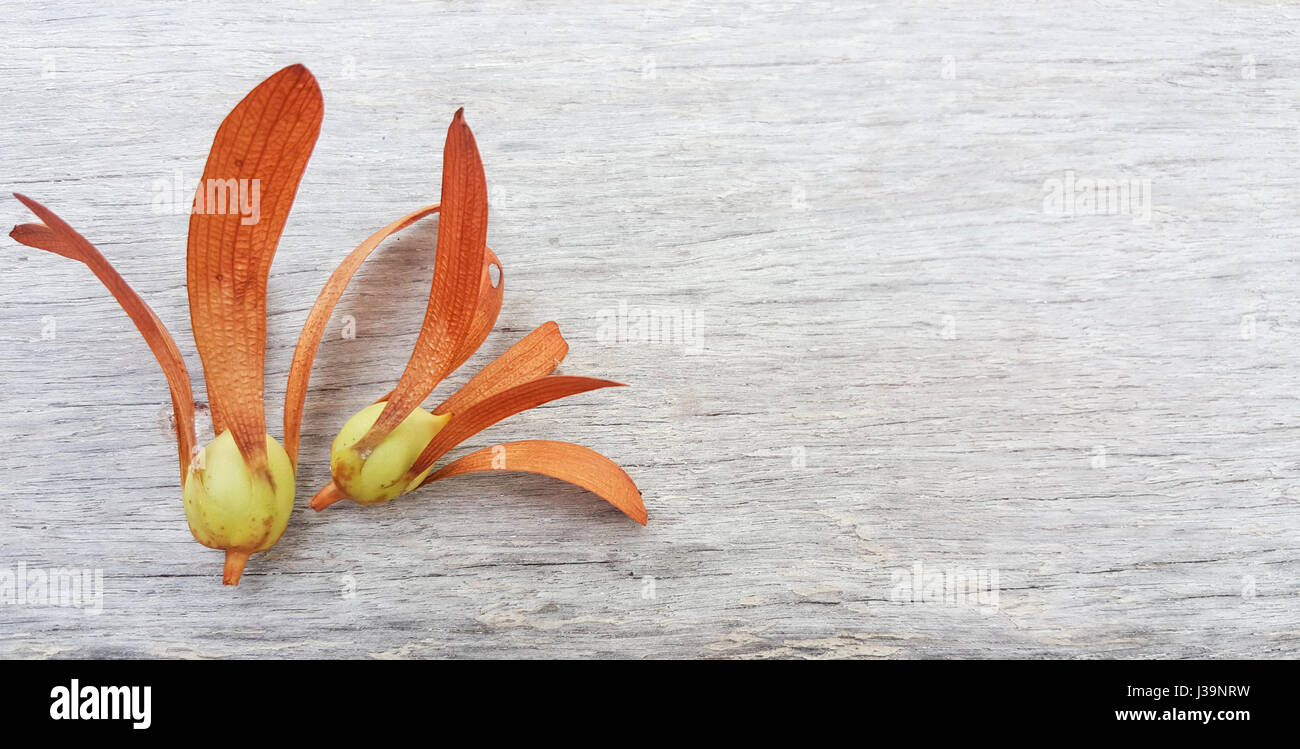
[228,507]
[378,477]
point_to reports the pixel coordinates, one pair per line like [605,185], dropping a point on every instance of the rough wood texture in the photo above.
[905,357]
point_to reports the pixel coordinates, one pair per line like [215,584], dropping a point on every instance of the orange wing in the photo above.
[56,236]
[257,158]
[566,461]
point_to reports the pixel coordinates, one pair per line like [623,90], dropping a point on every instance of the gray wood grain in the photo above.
[904,358]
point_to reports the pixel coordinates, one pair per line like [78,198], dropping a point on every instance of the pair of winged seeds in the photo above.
[238,490]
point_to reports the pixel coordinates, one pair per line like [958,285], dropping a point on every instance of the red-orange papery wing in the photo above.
[263,146]
[58,237]
[457,280]
[562,460]
[494,408]
[535,355]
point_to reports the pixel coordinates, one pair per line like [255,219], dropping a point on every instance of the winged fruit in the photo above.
[389,448]
[238,489]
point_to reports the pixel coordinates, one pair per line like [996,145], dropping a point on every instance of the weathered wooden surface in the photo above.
[904,357]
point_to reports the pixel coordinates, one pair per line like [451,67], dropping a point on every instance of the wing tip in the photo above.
[298,76]
[31,204]
[21,233]
[300,72]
